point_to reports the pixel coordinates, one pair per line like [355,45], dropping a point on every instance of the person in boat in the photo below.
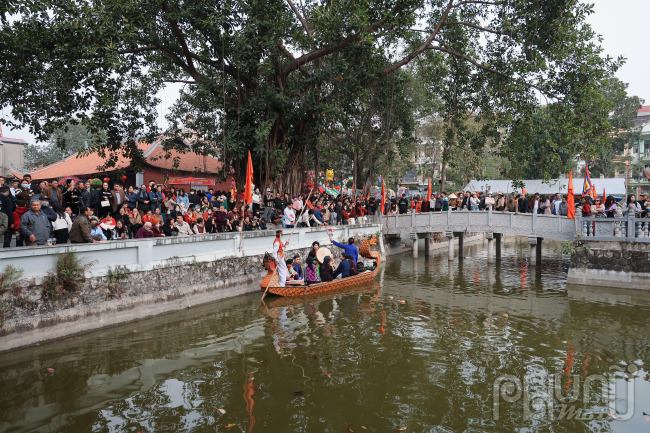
[349,249]
[314,249]
[353,266]
[278,255]
[296,269]
[343,270]
[311,272]
[326,271]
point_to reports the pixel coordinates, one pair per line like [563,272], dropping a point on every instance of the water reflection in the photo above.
[360,358]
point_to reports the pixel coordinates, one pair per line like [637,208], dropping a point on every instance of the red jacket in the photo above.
[20,210]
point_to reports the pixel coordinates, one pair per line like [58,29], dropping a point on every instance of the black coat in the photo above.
[140,200]
[524,206]
[8,207]
[326,273]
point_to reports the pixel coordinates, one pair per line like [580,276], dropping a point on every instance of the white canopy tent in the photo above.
[613,186]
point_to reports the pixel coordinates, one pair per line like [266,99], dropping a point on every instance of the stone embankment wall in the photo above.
[611,264]
[131,280]
[30,317]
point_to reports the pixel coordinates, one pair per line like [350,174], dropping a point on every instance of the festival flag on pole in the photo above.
[570,200]
[383,197]
[595,192]
[588,188]
[604,196]
[429,191]
[233,189]
[523,191]
[248,192]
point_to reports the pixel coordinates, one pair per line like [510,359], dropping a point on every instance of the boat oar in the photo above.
[294,229]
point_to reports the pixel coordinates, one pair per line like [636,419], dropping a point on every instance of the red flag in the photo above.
[595,193]
[248,192]
[523,191]
[429,191]
[570,200]
[383,198]
[604,196]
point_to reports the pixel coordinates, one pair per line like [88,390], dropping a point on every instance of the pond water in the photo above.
[429,346]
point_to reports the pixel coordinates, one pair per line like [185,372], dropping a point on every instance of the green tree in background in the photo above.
[63,143]
[623,131]
[260,74]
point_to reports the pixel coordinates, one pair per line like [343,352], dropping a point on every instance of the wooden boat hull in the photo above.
[289,290]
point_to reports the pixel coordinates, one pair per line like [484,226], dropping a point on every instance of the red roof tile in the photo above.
[188,161]
[645,109]
[155,155]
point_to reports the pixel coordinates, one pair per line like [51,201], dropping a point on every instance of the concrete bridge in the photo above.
[496,224]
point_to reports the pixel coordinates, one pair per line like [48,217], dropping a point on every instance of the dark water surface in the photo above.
[349,361]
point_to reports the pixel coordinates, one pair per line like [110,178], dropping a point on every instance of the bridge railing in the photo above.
[629,229]
[546,226]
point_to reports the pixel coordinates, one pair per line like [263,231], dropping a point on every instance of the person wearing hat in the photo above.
[96,231]
[34,225]
[349,249]
[48,211]
[489,201]
[500,204]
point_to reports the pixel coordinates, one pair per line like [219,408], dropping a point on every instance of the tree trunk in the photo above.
[443,173]
[355,169]
[290,181]
[316,165]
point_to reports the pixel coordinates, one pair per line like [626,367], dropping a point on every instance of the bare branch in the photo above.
[302,20]
[479,3]
[137,50]
[292,58]
[463,23]
[180,81]
[421,48]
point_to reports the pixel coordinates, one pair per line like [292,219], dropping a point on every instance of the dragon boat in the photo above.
[272,279]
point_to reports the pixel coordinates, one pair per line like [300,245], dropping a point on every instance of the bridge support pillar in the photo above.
[535,250]
[490,247]
[497,237]
[427,247]
[414,238]
[460,246]
[450,243]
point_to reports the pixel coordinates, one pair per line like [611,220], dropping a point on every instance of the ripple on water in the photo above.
[345,360]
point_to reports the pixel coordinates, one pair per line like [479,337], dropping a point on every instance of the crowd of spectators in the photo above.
[39,213]
[90,211]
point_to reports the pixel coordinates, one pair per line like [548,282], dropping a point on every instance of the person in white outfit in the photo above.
[278,255]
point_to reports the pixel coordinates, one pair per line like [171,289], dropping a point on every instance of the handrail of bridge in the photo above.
[629,228]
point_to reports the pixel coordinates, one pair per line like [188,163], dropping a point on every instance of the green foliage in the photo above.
[272,78]
[114,279]
[96,183]
[570,247]
[67,277]
[623,131]
[63,143]
[11,278]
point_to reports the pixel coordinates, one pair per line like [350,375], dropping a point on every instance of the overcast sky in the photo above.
[620,22]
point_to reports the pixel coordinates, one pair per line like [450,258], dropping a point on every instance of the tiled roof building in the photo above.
[158,164]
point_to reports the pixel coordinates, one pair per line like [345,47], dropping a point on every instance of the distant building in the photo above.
[193,170]
[11,154]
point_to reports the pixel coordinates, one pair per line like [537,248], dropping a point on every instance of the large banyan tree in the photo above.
[263,75]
